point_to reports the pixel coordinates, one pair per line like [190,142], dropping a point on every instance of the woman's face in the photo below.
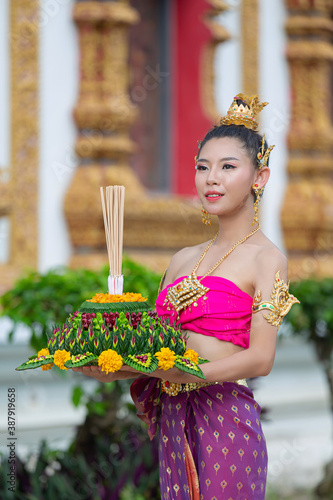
[224,177]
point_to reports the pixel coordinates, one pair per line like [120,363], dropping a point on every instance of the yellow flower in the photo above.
[45,352]
[110,361]
[60,358]
[192,356]
[166,358]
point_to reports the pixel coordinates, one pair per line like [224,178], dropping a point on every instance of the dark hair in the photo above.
[250,139]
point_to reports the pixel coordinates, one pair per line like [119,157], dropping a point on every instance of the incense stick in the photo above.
[121,229]
[113,216]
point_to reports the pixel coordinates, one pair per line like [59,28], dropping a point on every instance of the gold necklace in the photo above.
[189,290]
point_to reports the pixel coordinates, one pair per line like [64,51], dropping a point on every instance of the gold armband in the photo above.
[280,303]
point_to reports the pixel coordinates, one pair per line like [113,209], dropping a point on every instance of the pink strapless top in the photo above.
[225,314]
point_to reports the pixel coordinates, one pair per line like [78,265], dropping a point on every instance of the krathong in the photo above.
[115,328]
[142,340]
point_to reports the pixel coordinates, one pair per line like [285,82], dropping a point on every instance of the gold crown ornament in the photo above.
[240,114]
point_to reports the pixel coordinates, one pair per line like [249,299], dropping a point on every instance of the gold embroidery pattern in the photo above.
[186,293]
[280,303]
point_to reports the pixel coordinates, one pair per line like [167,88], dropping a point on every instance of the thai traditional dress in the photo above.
[211,444]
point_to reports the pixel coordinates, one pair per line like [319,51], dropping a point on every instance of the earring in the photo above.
[206,217]
[258,192]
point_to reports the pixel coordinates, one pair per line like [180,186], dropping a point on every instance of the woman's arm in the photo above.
[258,359]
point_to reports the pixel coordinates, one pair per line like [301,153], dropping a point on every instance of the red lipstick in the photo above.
[213,196]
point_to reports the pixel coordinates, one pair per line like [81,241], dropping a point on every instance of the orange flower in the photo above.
[45,352]
[110,361]
[166,358]
[60,358]
[102,298]
[192,356]
[46,367]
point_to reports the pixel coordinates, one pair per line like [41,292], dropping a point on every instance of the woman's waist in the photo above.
[236,332]
[210,347]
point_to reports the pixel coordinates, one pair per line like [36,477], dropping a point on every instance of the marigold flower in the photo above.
[60,358]
[192,356]
[102,298]
[110,361]
[47,367]
[166,358]
[45,352]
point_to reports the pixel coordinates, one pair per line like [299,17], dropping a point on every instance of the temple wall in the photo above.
[59,76]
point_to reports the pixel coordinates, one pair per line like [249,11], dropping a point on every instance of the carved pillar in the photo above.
[103,115]
[104,107]
[19,193]
[307,215]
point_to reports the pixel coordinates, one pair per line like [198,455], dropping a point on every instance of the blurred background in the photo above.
[95,93]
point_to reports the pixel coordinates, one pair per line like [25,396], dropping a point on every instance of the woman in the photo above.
[211,441]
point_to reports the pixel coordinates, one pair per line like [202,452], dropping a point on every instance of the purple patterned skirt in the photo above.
[211,442]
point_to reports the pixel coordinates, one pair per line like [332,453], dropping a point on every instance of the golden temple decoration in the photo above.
[307,215]
[103,115]
[250,34]
[154,226]
[104,104]
[19,195]
[309,6]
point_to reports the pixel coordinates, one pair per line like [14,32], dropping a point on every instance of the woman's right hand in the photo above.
[97,373]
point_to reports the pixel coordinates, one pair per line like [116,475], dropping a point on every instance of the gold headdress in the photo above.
[245,114]
[240,114]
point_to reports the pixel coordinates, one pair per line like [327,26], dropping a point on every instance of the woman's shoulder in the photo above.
[269,259]
[268,253]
